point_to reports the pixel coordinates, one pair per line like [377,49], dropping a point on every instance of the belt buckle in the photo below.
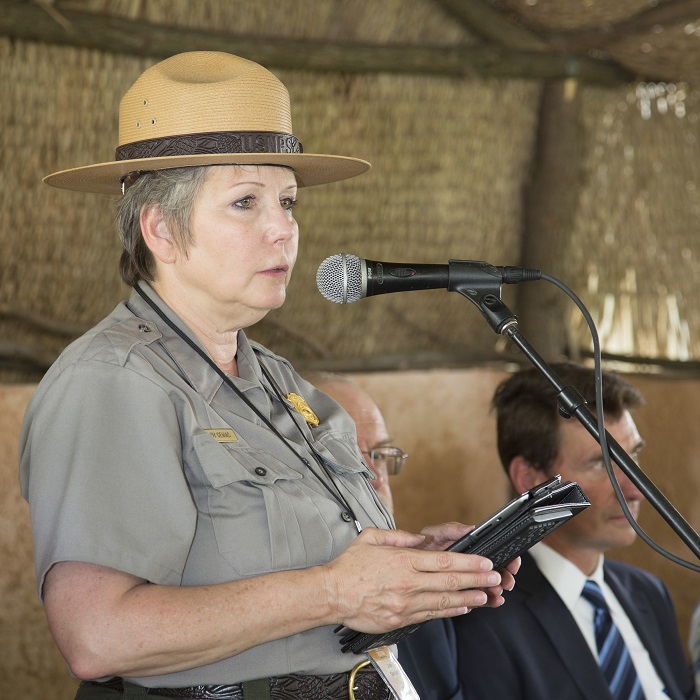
[351,680]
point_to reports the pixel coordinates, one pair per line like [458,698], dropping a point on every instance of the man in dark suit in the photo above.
[429,655]
[543,644]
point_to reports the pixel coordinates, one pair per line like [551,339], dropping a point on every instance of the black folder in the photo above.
[502,537]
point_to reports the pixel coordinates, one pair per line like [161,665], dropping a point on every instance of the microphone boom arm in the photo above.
[485,294]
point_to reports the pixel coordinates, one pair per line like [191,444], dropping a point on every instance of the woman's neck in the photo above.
[220,341]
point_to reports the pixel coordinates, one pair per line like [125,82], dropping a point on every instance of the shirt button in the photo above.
[346,516]
[144,328]
[260,471]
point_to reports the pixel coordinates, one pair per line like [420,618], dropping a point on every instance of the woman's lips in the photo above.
[274,271]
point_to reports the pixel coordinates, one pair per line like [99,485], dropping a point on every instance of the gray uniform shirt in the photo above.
[136,455]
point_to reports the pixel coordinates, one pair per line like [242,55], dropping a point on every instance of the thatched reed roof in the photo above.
[551,133]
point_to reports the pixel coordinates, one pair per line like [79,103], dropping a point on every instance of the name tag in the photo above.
[392,673]
[222,434]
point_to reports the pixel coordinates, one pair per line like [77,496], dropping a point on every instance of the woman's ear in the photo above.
[156,234]
[523,475]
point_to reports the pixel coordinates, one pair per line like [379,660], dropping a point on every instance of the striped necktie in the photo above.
[613,655]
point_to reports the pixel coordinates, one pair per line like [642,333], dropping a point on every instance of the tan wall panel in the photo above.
[670,423]
[30,665]
[442,419]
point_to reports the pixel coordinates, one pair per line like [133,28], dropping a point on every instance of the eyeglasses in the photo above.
[393,458]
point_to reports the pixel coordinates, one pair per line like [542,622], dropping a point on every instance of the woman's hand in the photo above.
[442,536]
[387,579]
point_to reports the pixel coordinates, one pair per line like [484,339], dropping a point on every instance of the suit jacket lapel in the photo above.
[644,622]
[555,619]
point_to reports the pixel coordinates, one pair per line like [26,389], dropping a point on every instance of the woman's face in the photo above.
[244,244]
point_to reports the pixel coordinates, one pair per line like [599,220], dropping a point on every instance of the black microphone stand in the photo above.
[483,289]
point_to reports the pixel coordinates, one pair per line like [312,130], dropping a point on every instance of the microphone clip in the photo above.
[481,283]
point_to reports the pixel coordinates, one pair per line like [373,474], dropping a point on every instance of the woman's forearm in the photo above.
[106,622]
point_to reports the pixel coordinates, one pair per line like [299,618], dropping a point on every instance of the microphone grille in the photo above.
[339,278]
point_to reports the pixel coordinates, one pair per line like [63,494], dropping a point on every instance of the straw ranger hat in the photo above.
[205,108]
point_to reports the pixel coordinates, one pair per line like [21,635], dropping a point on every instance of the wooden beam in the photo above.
[549,207]
[29,21]
[668,13]
[25,356]
[399,362]
[484,20]
[42,323]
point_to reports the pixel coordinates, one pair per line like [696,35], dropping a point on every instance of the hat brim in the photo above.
[310,169]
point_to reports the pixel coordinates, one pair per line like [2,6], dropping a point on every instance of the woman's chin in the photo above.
[259,313]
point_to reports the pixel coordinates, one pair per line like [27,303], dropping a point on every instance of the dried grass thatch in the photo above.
[452,162]
[429,197]
[634,250]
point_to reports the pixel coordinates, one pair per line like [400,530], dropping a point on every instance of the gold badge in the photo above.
[298,402]
[222,434]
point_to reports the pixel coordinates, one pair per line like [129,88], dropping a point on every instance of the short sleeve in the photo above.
[101,467]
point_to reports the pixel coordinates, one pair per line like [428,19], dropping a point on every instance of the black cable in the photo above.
[317,457]
[602,438]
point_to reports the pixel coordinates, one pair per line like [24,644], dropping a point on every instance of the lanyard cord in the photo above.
[317,457]
[335,491]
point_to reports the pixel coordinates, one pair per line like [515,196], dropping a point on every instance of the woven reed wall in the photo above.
[439,189]
[450,156]
[634,251]
[60,251]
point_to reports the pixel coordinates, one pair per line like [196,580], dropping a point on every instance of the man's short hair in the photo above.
[527,414]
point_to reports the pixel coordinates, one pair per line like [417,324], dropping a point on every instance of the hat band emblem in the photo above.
[210,143]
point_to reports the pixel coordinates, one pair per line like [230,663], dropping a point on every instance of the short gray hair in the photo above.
[174,191]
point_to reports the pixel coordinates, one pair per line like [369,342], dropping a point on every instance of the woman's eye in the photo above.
[288,203]
[244,202]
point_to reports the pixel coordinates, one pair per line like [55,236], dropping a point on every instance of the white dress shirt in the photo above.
[568,581]
[694,645]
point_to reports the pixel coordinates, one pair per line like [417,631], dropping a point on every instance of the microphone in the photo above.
[345,278]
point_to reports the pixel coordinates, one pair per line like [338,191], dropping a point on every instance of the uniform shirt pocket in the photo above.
[262,515]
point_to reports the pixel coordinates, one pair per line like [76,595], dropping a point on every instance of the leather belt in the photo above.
[367,685]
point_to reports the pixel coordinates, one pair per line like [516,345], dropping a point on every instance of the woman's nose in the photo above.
[281,225]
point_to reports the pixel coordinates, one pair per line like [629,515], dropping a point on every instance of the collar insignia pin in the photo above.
[300,404]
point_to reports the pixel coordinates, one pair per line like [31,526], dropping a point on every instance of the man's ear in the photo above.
[523,475]
[156,234]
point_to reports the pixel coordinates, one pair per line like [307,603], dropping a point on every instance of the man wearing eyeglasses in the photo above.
[429,655]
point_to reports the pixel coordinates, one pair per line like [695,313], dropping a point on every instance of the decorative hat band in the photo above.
[210,143]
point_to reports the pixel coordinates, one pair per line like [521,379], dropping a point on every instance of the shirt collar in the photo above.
[195,370]
[564,576]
